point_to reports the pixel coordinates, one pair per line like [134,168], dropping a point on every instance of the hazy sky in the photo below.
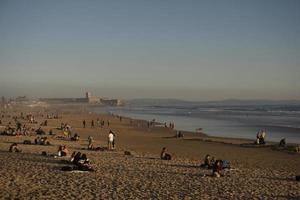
[194,50]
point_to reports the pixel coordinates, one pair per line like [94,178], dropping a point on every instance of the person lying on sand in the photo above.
[164,155]
[14,148]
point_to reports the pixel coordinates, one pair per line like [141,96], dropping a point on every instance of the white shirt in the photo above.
[111,137]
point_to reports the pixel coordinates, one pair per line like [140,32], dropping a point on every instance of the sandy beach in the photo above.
[256,173]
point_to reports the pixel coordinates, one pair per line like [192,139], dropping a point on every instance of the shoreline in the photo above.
[235,130]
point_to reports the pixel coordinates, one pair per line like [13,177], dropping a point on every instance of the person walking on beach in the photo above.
[110,140]
[83,123]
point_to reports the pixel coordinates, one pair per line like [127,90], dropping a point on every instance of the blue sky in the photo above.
[193,50]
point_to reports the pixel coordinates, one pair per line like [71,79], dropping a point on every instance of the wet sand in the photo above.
[257,173]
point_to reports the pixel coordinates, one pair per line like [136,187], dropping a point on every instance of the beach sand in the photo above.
[257,173]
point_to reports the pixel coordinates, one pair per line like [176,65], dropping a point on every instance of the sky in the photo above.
[191,50]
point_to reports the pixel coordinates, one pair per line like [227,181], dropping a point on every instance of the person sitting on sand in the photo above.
[37,140]
[14,148]
[282,142]
[75,137]
[217,168]
[44,141]
[75,157]
[164,155]
[40,131]
[207,162]
[212,161]
[62,151]
[81,161]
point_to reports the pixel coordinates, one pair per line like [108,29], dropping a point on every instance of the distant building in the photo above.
[89,98]
[21,99]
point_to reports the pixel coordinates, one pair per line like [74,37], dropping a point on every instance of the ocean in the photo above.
[225,119]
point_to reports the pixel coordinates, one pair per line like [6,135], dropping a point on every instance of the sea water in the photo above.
[219,119]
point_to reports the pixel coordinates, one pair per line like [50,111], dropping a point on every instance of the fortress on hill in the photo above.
[89,98]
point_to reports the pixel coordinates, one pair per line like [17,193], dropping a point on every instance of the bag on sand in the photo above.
[168,157]
[27,142]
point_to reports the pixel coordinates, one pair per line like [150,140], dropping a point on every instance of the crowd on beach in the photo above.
[79,160]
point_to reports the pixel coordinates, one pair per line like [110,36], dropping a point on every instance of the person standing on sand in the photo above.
[107,123]
[83,123]
[90,145]
[114,141]
[110,140]
[98,122]
[263,135]
[92,124]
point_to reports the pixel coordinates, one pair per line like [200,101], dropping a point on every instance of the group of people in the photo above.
[209,163]
[81,162]
[18,130]
[216,165]
[171,125]
[75,137]
[260,137]
[41,141]
[179,134]
[100,123]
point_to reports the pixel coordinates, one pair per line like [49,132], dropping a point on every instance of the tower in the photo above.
[88,95]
